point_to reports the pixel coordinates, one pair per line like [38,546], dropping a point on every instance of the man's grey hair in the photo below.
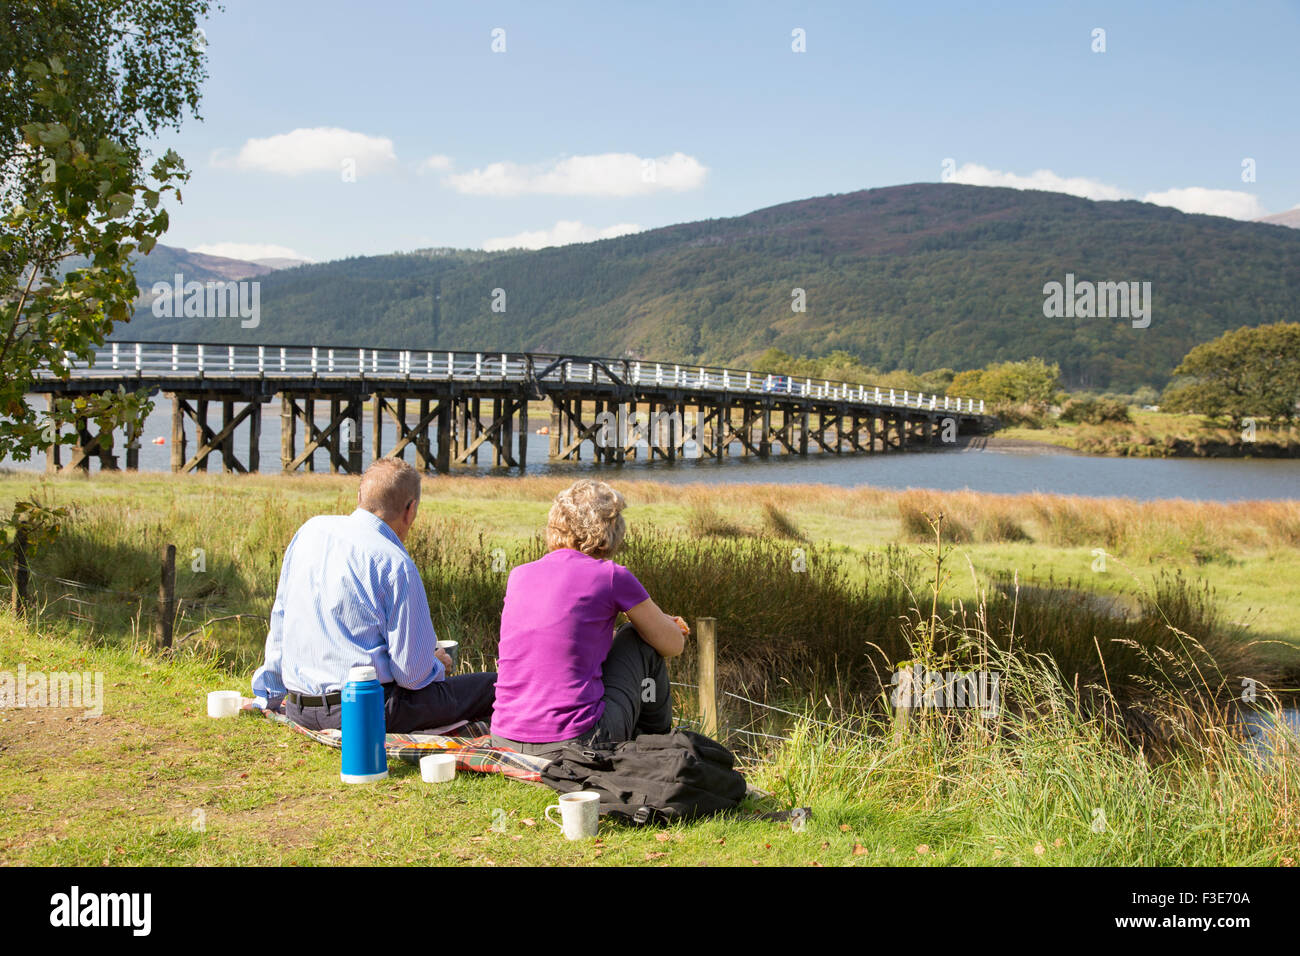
[388,486]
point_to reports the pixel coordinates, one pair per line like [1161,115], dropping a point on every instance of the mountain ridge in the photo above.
[917,276]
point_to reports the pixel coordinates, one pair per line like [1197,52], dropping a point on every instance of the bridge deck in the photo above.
[304,365]
[448,392]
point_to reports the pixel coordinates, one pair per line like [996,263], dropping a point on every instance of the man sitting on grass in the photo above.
[350,595]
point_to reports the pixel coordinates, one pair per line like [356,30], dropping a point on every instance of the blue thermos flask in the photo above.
[364,759]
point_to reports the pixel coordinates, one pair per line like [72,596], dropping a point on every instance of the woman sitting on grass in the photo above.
[563,674]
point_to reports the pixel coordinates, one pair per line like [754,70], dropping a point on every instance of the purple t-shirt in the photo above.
[557,626]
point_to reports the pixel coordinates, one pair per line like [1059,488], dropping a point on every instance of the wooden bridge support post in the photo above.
[556,426]
[721,421]
[496,444]
[622,430]
[201,430]
[178,435]
[288,425]
[227,443]
[332,443]
[443,461]
[356,407]
[566,425]
[765,442]
[309,424]
[460,412]
[651,426]
[617,433]
[522,455]
[673,437]
[401,426]
[423,453]
[255,435]
[476,424]
[506,433]
[133,446]
[600,435]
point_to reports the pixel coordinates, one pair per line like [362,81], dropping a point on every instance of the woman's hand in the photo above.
[657,629]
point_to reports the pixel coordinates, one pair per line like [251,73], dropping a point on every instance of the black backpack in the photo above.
[656,778]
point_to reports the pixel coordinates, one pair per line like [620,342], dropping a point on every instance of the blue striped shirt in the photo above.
[349,595]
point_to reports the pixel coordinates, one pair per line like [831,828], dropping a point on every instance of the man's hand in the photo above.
[444,657]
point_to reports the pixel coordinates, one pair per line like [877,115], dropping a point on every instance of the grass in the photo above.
[155,782]
[1119,680]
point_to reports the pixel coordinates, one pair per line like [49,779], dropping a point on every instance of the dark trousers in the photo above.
[463,697]
[638,698]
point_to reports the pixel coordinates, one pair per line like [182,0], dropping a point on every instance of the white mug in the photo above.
[453,651]
[223,703]
[438,768]
[580,813]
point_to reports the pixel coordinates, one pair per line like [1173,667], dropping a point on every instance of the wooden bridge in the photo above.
[450,407]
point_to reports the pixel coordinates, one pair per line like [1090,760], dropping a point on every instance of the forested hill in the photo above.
[918,277]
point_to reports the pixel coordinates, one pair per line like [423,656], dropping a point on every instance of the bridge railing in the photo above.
[180,360]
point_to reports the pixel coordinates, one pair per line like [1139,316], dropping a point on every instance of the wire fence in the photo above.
[106,607]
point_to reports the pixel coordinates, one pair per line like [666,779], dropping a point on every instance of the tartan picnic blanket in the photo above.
[472,745]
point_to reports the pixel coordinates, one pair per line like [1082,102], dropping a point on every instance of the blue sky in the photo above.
[601,118]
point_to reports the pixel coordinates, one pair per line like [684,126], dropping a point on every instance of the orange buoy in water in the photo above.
[544,430]
[160,441]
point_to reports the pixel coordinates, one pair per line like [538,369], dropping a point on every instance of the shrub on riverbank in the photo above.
[1087,425]
[1094,411]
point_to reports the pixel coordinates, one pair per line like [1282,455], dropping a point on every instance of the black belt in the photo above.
[331,699]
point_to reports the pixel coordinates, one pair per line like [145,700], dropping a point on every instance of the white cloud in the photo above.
[1212,202]
[313,150]
[972,174]
[563,233]
[435,163]
[1194,199]
[247,251]
[606,174]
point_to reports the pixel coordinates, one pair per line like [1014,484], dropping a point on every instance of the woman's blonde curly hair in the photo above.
[588,517]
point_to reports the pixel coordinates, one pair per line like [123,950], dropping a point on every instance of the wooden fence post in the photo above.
[167,597]
[20,570]
[708,679]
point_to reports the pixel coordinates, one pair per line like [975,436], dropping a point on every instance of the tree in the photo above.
[1253,372]
[1032,382]
[83,84]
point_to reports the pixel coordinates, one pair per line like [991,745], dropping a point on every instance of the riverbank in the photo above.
[1161,435]
[1246,556]
[1248,553]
